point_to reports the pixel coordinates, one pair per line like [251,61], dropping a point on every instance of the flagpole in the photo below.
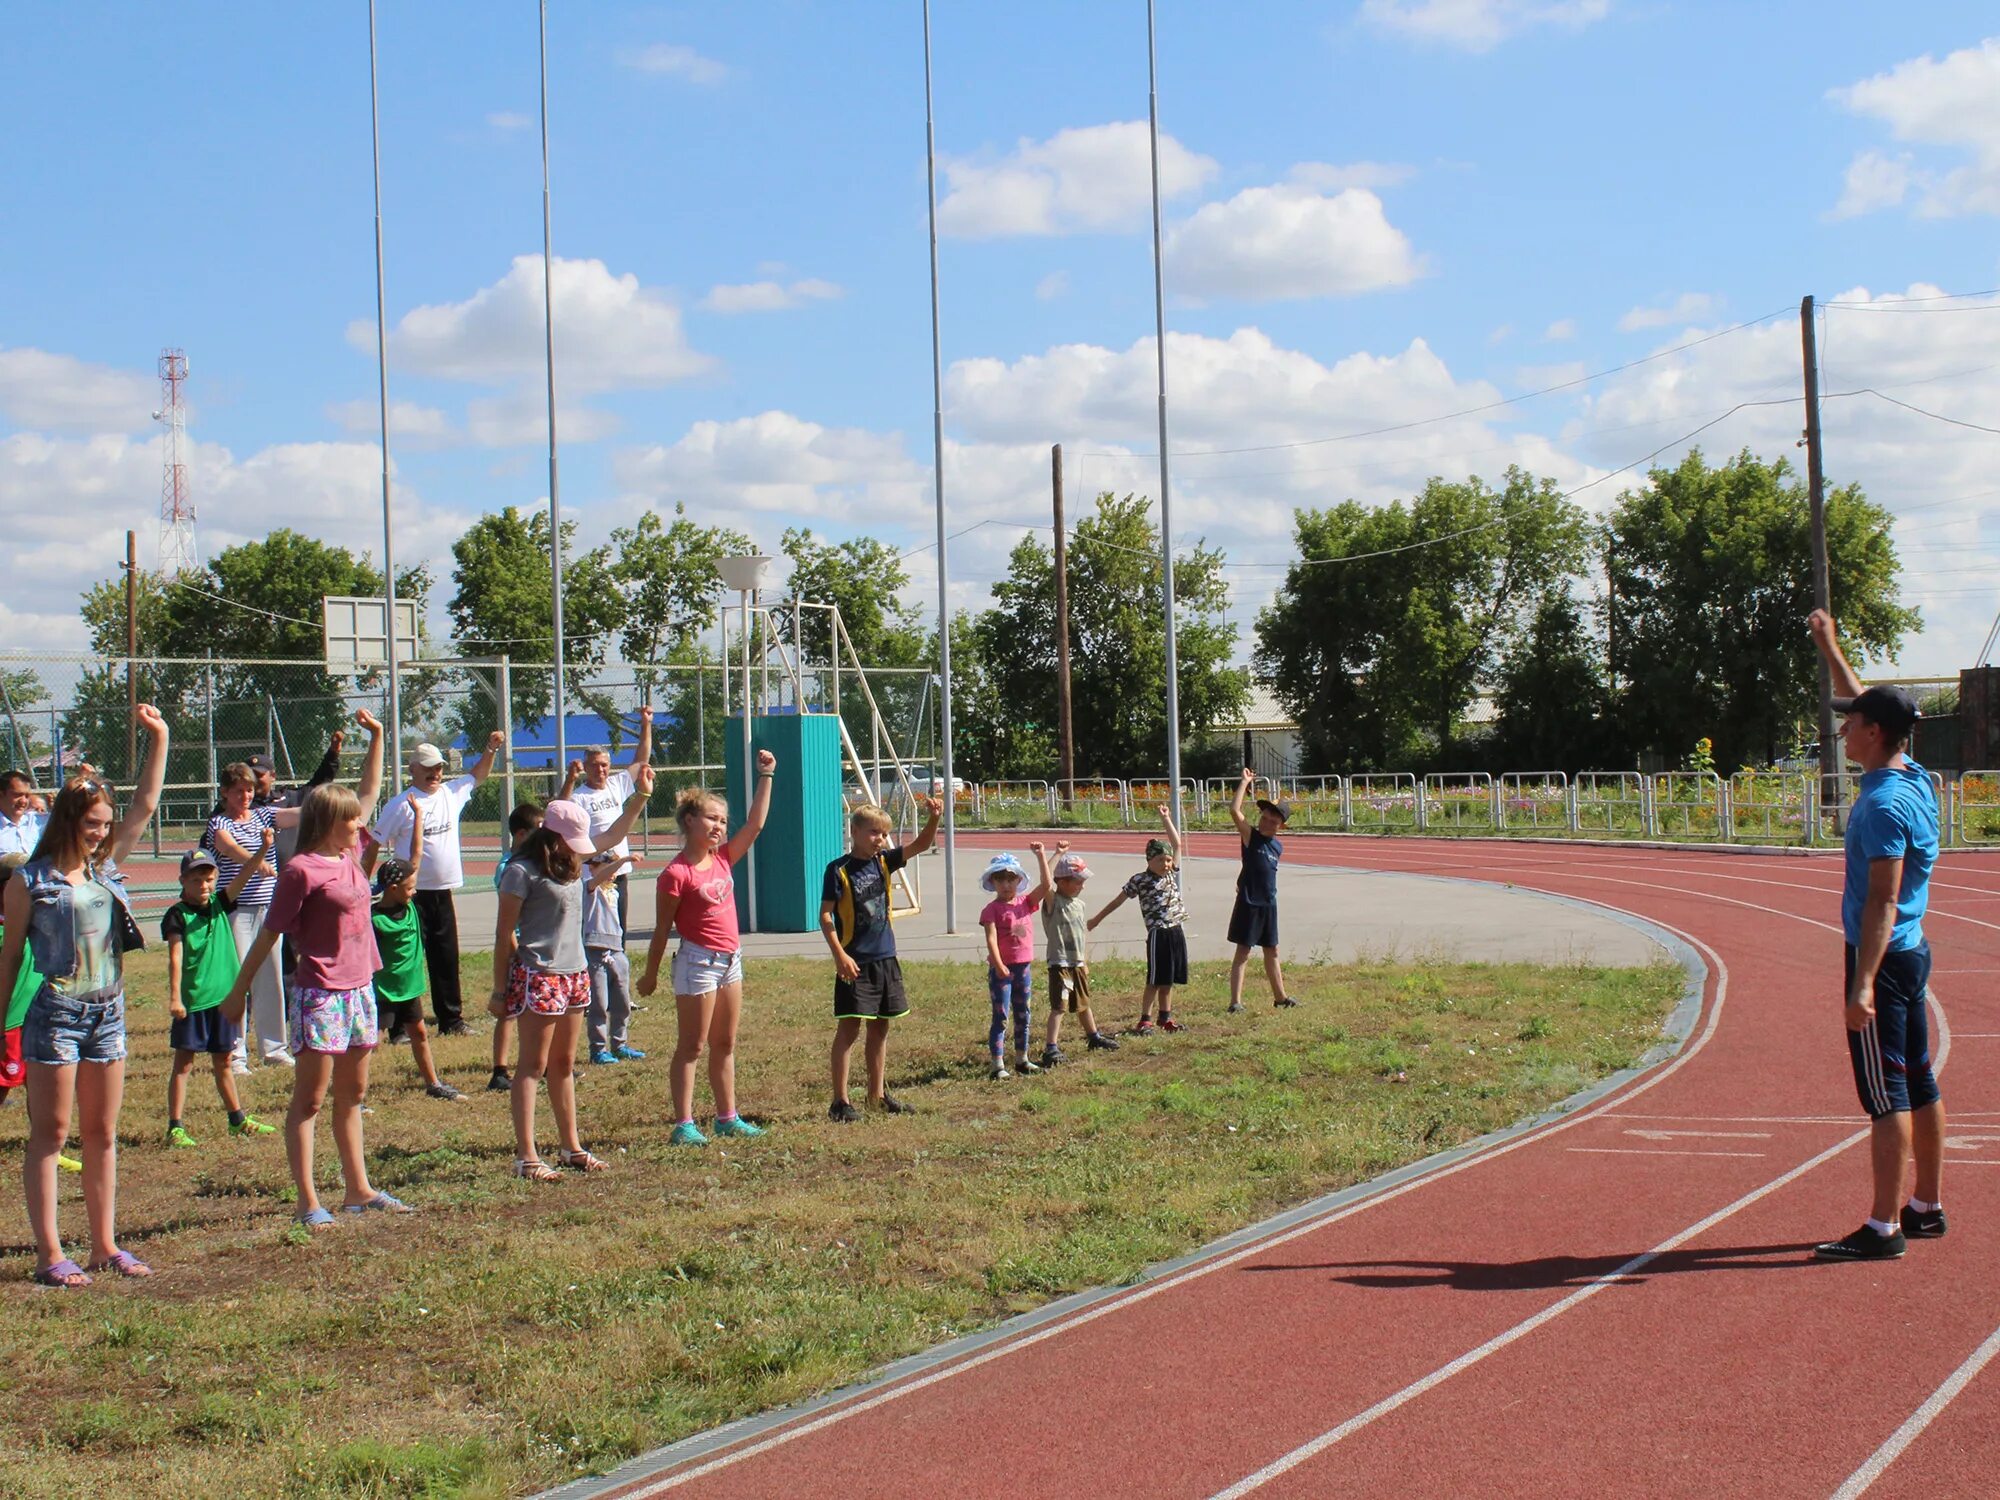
[555,489]
[950,792]
[1166,506]
[395,771]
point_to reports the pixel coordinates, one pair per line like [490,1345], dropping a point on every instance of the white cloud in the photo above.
[769,296]
[508,121]
[520,418]
[1276,243]
[43,390]
[1686,308]
[409,424]
[778,462]
[1326,177]
[670,59]
[610,332]
[1477,25]
[1093,177]
[1953,103]
[1559,332]
[1052,286]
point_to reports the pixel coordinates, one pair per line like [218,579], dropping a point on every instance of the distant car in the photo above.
[925,782]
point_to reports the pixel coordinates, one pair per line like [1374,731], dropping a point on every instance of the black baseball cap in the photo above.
[197,859]
[1889,708]
[1280,810]
[260,763]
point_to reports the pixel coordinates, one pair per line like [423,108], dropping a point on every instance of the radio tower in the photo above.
[177,554]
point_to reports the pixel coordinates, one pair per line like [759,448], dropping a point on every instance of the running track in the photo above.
[1581,1310]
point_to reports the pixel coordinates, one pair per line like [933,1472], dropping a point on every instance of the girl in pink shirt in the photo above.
[1009,923]
[697,897]
[324,904]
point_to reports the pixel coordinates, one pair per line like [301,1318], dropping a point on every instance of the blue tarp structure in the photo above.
[535,749]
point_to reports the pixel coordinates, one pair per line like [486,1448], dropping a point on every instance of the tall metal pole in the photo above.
[555,489]
[937,476]
[749,771]
[1166,505]
[395,756]
[1065,729]
[1822,584]
[131,654]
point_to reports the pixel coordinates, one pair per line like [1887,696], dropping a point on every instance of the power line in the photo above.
[1935,416]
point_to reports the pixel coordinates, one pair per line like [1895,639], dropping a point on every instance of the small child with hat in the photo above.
[1157,889]
[1068,929]
[1253,921]
[1008,920]
[201,968]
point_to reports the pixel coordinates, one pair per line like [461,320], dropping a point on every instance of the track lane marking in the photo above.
[1877,1463]
[1643,1151]
[1286,1462]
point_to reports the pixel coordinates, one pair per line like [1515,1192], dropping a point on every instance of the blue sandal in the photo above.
[319,1218]
[381,1203]
[66,1274]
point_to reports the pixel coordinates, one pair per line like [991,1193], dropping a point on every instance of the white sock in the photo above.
[1885,1230]
[1925,1208]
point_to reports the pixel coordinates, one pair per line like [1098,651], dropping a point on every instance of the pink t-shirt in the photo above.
[1013,922]
[706,915]
[322,905]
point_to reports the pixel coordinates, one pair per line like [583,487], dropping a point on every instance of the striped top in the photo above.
[248,832]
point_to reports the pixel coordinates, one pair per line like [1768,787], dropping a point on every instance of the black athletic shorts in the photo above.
[875,994]
[1166,956]
[1253,926]
[1892,1053]
[398,1015]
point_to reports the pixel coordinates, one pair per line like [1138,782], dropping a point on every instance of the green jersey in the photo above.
[402,976]
[209,964]
[27,983]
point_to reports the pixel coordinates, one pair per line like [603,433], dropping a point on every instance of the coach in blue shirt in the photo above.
[1892,842]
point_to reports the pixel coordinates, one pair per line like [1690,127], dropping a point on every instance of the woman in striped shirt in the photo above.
[235,834]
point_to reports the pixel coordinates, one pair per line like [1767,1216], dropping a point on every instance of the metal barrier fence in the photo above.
[1612,803]
[1534,802]
[1978,802]
[1687,805]
[1459,802]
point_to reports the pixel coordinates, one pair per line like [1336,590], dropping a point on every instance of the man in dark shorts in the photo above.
[868,980]
[1892,842]
[1253,921]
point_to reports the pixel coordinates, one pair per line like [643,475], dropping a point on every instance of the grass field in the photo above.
[510,1336]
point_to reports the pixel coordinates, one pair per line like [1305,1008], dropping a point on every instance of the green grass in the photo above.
[511,1337]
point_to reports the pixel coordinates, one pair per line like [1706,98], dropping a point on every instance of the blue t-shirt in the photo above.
[1895,816]
[1257,882]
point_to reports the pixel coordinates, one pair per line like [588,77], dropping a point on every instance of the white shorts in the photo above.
[701,971]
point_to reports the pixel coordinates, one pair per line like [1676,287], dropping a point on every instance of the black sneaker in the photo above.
[1925,1226]
[1288,1003]
[500,1082]
[1102,1041]
[1864,1244]
[891,1105]
[842,1113]
[1052,1057]
[456,1028]
[443,1090]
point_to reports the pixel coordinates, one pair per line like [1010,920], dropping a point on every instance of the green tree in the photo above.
[503,605]
[1712,575]
[1382,633]
[667,578]
[1117,591]
[1551,695]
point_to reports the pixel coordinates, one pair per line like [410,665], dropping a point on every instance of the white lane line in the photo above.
[1305,1451]
[1979,1036]
[1710,1135]
[1746,1119]
[1637,1151]
[646,1490]
[1642,1151]
[1878,1461]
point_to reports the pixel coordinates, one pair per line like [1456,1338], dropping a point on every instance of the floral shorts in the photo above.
[532,992]
[332,1020]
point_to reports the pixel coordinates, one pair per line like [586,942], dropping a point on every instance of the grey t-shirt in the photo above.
[1067,926]
[550,935]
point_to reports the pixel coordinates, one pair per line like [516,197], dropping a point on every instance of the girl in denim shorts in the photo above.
[324,904]
[696,897]
[541,975]
[68,909]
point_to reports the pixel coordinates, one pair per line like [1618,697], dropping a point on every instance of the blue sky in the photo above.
[1380,211]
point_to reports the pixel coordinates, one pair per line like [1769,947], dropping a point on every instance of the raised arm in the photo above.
[1236,805]
[634,805]
[642,753]
[371,763]
[1845,683]
[1048,883]
[760,808]
[571,776]
[933,810]
[496,746]
[329,765]
[146,796]
[1173,832]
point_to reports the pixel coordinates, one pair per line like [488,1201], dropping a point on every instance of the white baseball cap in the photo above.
[427,755]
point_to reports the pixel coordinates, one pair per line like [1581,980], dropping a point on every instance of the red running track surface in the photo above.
[1577,1311]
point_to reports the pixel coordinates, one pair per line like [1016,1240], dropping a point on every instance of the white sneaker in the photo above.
[1000,1069]
[280,1060]
[240,1067]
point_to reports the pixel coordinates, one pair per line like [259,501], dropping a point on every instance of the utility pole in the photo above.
[131,651]
[1065,730]
[1610,610]
[1829,752]
[1166,506]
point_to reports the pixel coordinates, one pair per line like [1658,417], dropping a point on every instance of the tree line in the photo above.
[1599,641]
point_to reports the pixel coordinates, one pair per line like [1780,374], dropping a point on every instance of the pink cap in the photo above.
[571,824]
[1071,866]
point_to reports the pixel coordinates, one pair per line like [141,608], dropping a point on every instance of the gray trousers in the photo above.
[610,998]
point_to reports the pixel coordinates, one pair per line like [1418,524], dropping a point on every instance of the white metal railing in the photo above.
[1687,804]
[1460,802]
[1613,803]
[1384,800]
[1770,806]
[1534,801]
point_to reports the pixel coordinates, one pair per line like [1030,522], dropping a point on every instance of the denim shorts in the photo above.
[701,971]
[59,1032]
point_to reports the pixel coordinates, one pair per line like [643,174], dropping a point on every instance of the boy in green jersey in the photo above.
[201,967]
[401,981]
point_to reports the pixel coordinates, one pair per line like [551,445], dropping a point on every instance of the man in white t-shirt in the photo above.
[440,804]
[20,825]
[603,791]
